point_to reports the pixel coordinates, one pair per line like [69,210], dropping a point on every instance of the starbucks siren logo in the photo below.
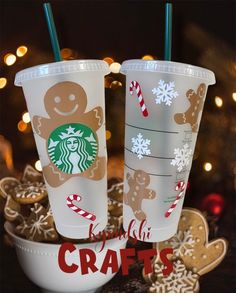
[72,147]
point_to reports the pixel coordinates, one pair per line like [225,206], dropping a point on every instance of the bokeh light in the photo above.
[109,60]
[9,59]
[207,166]
[218,102]
[68,54]
[115,67]
[108,81]
[108,134]
[234,96]
[21,51]
[22,126]
[148,57]
[38,166]
[3,82]
[26,117]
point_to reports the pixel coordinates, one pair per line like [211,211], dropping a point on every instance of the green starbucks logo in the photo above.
[72,147]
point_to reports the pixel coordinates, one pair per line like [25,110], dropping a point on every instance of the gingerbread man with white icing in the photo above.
[196,105]
[70,134]
[137,192]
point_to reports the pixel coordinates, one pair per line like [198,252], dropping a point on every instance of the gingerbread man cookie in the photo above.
[196,105]
[70,134]
[137,192]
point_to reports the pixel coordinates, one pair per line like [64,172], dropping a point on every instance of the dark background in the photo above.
[204,34]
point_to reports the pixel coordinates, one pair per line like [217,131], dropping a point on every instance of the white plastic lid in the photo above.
[61,67]
[168,67]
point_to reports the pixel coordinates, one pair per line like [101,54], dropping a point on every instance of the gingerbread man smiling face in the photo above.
[65,99]
[68,122]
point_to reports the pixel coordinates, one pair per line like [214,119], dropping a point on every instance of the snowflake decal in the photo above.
[182,243]
[180,280]
[140,146]
[182,157]
[165,92]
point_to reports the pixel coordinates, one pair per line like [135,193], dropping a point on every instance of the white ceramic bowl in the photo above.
[39,262]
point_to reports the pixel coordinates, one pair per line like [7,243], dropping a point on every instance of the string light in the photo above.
[115,67]
[108,134]
[26,117]
[218,102]
[109,60]
[38,166]
[148,57]
[21,51]
[207,167]
[22,126]
[9,59]
[3,82]
[234,96]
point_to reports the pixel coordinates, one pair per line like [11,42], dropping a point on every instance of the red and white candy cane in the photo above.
[180,186]
[136,85]
[81,212]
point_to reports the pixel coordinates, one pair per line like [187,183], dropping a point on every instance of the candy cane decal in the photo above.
[180,186]
[76,209]
[136,85]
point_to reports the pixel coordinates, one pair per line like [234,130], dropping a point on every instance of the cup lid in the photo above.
[61,67]
[168,67]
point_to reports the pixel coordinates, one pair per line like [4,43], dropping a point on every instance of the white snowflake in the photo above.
[182,157]
[180,280]
[165,92]
[140,146]
[182,243]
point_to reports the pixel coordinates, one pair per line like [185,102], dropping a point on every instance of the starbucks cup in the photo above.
[164,103]
[65,101]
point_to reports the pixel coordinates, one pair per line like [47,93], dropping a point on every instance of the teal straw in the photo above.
[52,31]
[168,31]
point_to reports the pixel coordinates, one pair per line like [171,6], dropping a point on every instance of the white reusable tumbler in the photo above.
[66,104]
[164,103]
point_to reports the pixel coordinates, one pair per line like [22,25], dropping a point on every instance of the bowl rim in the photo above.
[8,226]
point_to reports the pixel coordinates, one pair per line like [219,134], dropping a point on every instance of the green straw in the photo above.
[168,31]
[52,31]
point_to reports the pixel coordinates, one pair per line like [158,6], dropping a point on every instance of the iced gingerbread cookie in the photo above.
[180,280]
[23,193]
[190,243]
[12,210]
[138,191]
[70,134]
[7,186]
[196,100]
[31,175]
[39,226]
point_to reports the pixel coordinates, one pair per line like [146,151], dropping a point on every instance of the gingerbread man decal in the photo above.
[196,105]
[70,134]
[137,192]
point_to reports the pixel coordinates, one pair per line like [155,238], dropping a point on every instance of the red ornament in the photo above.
[213,203]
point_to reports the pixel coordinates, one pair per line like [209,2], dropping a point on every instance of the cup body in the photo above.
[66,104]
[164,103]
